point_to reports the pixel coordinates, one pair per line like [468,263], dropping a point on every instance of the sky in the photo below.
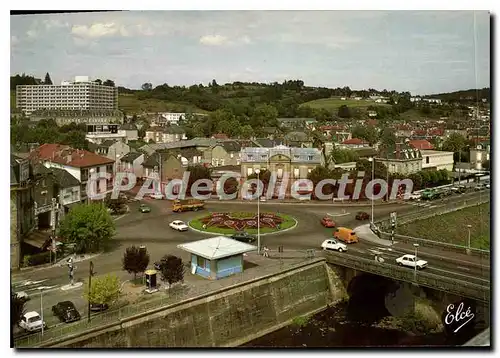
[422,52]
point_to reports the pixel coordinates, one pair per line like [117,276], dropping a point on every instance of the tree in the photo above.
[197,172]
[98,81]
[455,143]
[340,156]
[16,308]
[246,131]
[388,136]
[116,205]
[486,165]
[135,260]
[172,269]
[89,227]
[47,81]
[344,112]
[103,290]
[368,133]
[109,83]
[147,86]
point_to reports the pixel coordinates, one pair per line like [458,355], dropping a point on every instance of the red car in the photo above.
[362,216]
[327,222]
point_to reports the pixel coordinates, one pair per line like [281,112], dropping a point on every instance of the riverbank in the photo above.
[332,328]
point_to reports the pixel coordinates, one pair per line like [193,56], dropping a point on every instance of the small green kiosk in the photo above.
[151,281]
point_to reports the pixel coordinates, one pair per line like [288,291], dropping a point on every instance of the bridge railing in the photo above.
[443,283]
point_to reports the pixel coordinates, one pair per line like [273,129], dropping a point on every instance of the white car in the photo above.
[415,196]
[333,244]
[31,321]
[157,196]
[178,225]
[23,295]
[263,198]
[409,261]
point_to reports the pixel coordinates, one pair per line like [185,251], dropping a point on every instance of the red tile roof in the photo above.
[421,144]
[354,141]
[65,155]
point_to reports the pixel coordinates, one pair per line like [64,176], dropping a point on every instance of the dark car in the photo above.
[243,236]
[361,215]
[66,312]
[98,307]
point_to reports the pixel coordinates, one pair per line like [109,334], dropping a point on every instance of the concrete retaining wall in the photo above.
[229,317]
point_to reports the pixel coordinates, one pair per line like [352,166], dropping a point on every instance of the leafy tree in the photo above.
[231,186]
[246,131]
[340,156]
[98,81]
[368,133]
[486,165]
[388,136]
[147,86]
[89,227]
[454,143]
[264,116]
[116,205]
[16,308]
[344,112]
[172,269]
[197,172]
[135,260]
[109,83]
[103,289]
[47,81]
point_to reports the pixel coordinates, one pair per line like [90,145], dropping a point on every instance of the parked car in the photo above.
[144,208]
[243,236]
[263,199]
[361,215]
[23,295]
[409,261]
[328,222]
[157,196]
[480,186]
[31,322]
[66,312]
[98,307]
[487,184]
[178,225]
[415,196]
[332,244]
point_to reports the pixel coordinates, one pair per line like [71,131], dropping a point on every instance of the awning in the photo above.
[39,239]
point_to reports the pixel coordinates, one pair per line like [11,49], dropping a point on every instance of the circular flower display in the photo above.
[240,223]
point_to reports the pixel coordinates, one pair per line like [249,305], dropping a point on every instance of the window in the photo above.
[427,160]
[296,173]
[309,157]
[201,262]
[109,167]
[249,171]
[231,155]
[309,170]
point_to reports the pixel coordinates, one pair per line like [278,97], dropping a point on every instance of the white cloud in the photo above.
[31,34]
[95,30]
[53,23]
[213,40]
[14,40]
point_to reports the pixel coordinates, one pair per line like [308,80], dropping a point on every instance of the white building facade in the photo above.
[82,94]
[435,159]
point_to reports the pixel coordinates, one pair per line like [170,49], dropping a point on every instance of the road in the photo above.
[151,229]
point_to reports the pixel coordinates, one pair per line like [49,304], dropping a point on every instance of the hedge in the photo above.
[37,259]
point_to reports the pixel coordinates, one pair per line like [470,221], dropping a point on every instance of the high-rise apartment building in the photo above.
[82,94]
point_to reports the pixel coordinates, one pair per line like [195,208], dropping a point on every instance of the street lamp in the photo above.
[41,305]
[372,160]
[468,240]
[257,171]
[416,249]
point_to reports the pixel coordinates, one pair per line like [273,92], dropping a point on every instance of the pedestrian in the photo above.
[266,251]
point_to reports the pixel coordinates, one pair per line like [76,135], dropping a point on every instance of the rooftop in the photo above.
[217,247]
[65,155]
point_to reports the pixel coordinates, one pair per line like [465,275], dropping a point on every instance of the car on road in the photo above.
[459,189]
[328,222]
[157,196]
[361,215]
[66,312]
[332,244]
[263,199]
[487,184]
[31,321]
[144,208]
[98,307]
[178,225]
[243,236]
[346,235]
[411,261]
[415,196]
[480,186]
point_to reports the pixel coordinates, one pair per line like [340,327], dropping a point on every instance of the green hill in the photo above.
[335,103]
[130,104]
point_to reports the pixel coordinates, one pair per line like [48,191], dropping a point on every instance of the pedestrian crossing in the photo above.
[423,204]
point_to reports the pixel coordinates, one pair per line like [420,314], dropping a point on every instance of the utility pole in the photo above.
[91,273]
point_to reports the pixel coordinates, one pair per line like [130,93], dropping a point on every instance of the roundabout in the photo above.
[226,223]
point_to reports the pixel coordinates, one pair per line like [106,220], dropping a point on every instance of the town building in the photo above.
[112,149]
[437,160]
[168,134]
[480,154]
[81,164]
[354,143]
[400,158]
[223,153]
[81,94]
[216,257]
[130,131]
[420,144]
[131,163]
[98,133]
[67,190]
[22,220]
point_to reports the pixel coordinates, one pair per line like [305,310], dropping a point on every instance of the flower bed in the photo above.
[229,223]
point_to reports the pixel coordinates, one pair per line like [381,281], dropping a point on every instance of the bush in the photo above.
[37,259]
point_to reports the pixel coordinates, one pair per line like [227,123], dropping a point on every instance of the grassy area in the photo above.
[452,227]
[131,104]
[335,103]
[287,223]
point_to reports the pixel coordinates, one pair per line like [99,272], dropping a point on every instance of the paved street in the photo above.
[151,229]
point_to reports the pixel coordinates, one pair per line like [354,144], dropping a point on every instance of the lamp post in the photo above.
[41,305]
[415,271]
[372,160]
[258,211]
[468,239]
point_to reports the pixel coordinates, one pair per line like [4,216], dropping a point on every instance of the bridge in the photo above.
[389,269]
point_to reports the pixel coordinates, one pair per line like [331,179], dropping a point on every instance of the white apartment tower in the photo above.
[82,94]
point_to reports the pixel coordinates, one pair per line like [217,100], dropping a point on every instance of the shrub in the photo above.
[37,259]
